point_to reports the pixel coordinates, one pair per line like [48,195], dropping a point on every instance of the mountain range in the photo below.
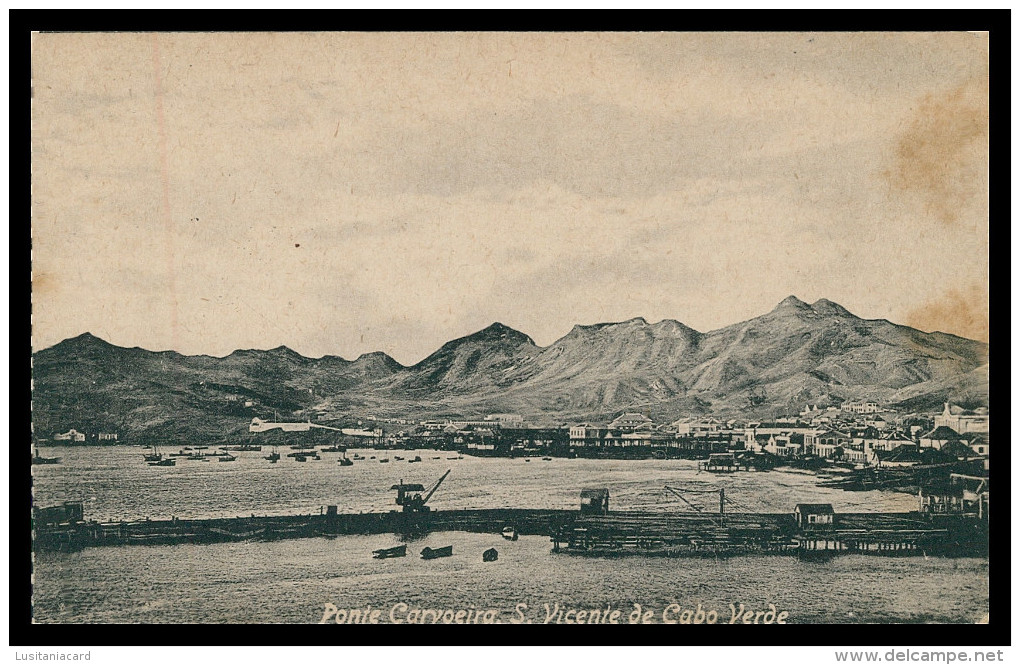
[797,353]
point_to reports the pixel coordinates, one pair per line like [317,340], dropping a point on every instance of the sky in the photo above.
[343,193]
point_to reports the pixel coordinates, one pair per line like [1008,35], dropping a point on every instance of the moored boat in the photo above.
[490,554]
[39,459]
[164,462]
[390,552]
[510,532]
[437,552]
[227,458]
[155,456]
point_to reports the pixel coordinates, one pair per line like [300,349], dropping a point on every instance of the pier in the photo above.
[570,531]
[712,535]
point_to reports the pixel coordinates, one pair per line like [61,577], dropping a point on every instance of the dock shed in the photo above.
[595,501]
[814,514]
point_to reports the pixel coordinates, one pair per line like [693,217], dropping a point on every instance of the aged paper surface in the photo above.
[633,303]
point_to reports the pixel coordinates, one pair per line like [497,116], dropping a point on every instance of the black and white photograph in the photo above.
[510,328]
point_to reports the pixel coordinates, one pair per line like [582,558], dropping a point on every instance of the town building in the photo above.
[939,437]
[962,420]
[632,421]
[961,494]
[860,407]
[825,443]
[506,419]
[696,427]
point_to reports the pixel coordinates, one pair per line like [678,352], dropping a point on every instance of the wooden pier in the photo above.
[715,534]
[809,530]
[79,534]
[611,534]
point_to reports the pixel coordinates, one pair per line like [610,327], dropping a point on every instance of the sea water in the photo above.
[309,580]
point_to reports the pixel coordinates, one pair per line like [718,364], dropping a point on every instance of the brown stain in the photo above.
[942,155]
[44,284]
[962,312]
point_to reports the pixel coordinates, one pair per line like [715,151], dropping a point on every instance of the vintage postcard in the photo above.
[478,328]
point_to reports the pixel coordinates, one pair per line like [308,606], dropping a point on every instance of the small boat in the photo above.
[452,458]
[359,457]
[273,456]
[226,458]
[398,458]
[390,552]
[383,461]
[526,459]
[436,458]
[345,462]
[218,453]
[39,459]
[243,447]
[437,553]
[490,554]
[155,456]
[412,461]
[300,458]
[196,447]
[303,446]
[180,453]
[372,457]
[510,533]
[333,449]
[164,462]
[198,456]
[546,459]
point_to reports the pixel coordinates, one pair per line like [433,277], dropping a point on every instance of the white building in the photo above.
[962,421]
[690,427]
[860,407]
[259,425]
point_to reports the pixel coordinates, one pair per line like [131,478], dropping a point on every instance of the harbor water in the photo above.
[296,581]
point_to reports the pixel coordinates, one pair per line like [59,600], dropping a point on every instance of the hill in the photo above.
[795,354]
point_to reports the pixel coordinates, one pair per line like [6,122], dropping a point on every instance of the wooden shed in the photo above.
[595,501]
[814,514]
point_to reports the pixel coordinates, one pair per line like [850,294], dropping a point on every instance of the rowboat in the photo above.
[510,533]
[437,553]
[490,554]
[390,552]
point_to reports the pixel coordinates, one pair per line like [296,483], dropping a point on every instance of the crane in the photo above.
[409,495]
